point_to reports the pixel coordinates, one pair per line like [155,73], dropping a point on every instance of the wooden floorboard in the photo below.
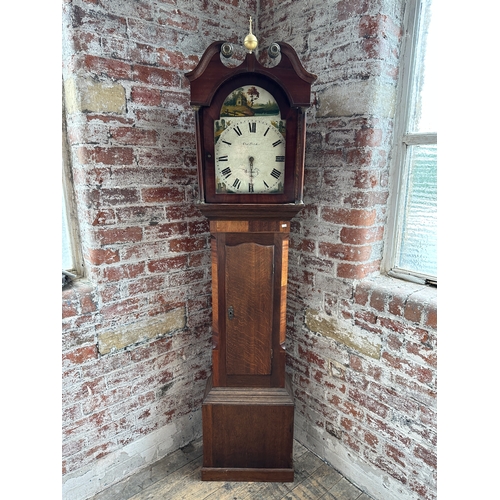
[177,477]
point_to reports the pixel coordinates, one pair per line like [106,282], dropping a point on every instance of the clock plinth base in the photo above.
[248,434]
[247,475]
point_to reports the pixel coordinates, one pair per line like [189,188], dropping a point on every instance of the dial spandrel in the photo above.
[250,144]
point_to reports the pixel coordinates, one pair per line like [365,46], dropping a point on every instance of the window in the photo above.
[71,255]
[412,252]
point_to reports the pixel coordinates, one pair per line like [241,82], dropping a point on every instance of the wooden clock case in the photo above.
[248,405]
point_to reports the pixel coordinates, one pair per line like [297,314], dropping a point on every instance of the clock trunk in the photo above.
[250,145]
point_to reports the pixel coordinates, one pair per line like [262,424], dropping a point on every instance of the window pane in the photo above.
[418,248]
[67,257]
[425,89]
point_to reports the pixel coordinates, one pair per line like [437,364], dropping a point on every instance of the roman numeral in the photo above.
[226,172]
[276,173]
[280,158]
[224,158]
[265,133]
[237,184]
[252,127]
[228,143]
[265,184]
[237,130]
[250,188]
[276,143]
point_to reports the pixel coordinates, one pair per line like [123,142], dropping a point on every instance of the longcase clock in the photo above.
[250,139]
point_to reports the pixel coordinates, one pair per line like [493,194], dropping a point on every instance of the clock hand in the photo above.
[250,184]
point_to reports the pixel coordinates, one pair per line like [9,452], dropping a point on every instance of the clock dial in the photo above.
[250,157]
[249,144]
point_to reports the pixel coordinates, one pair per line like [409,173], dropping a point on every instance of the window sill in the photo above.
[414,302]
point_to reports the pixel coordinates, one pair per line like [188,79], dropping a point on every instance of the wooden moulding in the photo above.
[211,73]
[230,211]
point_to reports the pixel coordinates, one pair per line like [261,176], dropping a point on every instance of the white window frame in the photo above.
[69,204]
[402,139]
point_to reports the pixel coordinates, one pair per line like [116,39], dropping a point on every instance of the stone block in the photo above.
[357,98]
[94,97]
[347,335]
[151,328]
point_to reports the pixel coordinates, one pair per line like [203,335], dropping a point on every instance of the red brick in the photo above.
[378,300]
[423,352]
[146,96]
[378,25]
[368,137]
[378,48]
[125,271]
[181,278]
[107,156]
[155,76]
[350,217]
[394,342]
[357,271]
[395,454]
[413,311]
[371,440]
[311,357]
[119,196]
[366,179]
[366,316]
[392,325]
[177,59]
[103,217]
[431,317]
[88,303]
[160,231]
[429,457]
[359,158]
[366,199]
[361,236]
[182,20]
[118,235]
[163,194]
[396,305]
[187,244]
[167,264]
[69,308]
[361,294]
[81,354]
[116,70]
[345,252]
[351,442]
[197,227]
[134,136]
[145,285]
[98,256]
[122,310]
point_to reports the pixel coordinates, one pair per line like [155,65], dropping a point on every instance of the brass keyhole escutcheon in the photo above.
[230,312]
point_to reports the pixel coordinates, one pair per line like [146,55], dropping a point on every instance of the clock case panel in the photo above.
[211,82]
[249,291]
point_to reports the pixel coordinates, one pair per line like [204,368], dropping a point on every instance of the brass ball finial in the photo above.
[250,41]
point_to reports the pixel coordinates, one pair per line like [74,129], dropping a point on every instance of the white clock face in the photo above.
[250,157]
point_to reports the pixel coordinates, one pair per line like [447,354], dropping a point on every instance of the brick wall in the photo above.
[136,338]
[362,347]
[136,331]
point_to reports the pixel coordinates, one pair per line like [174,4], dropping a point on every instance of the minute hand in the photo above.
[250,184]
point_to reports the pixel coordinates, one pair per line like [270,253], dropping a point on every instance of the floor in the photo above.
[177,476]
